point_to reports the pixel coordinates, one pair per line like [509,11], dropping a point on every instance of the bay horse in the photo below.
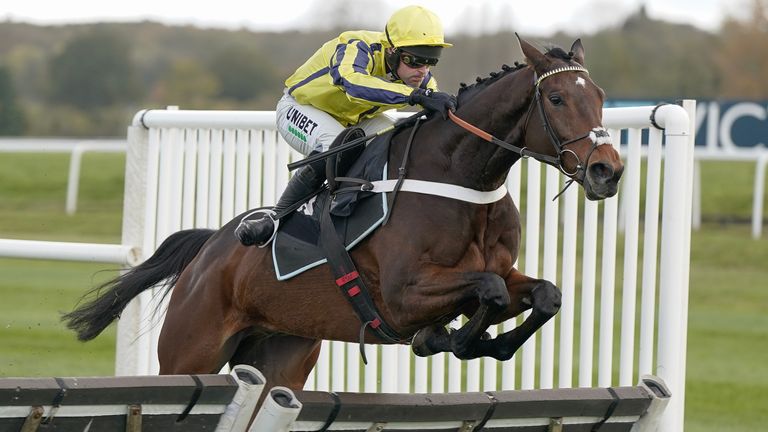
[436,259]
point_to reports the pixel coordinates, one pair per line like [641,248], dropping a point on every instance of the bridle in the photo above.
[560,146]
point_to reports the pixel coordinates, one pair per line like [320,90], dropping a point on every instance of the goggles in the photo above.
[415,62]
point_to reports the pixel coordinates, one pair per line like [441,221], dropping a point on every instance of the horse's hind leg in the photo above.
[284,360]
[197,331]
[191,346]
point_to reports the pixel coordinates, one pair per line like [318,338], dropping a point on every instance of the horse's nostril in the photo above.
[618,173]
[600,172]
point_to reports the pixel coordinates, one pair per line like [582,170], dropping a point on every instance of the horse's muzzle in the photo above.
[601,180]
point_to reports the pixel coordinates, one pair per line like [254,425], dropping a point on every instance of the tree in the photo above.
[245,74]
[187,84]
[11,116]
[94,70]
[743,61]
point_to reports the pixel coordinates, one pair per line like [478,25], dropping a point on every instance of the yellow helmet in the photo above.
[414,25]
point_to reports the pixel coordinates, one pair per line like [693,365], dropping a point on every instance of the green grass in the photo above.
[727,365]
[33,340]
[727,375]
[727,190]
[33,191]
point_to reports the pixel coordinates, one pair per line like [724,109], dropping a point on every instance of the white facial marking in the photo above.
[580,81]
[600,136]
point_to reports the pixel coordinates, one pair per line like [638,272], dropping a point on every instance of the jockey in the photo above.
[350,81]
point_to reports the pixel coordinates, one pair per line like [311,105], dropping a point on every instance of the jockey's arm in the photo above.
[351,69]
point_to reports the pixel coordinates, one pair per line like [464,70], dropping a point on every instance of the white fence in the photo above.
[124,254]
[75,147]
[200,168]
[757,155]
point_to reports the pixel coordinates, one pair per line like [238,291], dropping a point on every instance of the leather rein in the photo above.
[524,152]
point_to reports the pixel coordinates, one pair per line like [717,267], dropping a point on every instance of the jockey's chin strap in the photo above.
[555,161]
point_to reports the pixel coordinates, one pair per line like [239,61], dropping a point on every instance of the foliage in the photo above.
[93,70]
[66,77]
[11,117]
[186,84]
[65,120]
[244,73]
[743,59]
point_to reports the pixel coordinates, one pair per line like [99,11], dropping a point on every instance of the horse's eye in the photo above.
[556,100]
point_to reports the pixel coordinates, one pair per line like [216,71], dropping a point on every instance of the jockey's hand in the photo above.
[434,101]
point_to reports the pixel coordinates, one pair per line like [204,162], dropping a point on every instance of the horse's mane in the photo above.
[468,90]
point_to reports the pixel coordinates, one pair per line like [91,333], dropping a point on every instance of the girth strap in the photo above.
[351,284]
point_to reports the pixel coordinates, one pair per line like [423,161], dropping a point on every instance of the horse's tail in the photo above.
[165,265]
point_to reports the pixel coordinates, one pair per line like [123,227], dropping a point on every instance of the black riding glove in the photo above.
[434,101]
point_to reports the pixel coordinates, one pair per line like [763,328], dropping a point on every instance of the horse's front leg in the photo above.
[490,291]
[541,296]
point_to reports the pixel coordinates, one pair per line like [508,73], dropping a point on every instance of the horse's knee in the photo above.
[546,299]
[493,292]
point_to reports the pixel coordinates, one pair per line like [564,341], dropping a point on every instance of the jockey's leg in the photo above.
[302,186]
[376,124]
[308,130]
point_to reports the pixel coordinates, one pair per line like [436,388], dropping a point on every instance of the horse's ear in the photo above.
[578,52]
[532,55]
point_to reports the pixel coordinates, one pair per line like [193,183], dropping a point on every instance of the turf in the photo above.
[33,189]
[34,342]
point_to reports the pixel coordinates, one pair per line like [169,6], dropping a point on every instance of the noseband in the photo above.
[559,146]
[553,138]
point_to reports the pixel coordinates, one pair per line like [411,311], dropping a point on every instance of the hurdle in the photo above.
[223,403]
[226,403]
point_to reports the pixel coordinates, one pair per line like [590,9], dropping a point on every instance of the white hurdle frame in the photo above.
[201,168]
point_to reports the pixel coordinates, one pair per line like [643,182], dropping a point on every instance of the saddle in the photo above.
[355,213]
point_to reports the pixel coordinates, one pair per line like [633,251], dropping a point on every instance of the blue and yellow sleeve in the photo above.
[350,69]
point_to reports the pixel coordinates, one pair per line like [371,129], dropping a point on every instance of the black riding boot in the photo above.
[259,232]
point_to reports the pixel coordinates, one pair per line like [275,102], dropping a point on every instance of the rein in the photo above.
[522,151]
[559,146]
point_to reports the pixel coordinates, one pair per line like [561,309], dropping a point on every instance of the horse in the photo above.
[226,305]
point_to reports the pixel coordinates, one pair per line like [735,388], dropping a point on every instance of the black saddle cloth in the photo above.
[355,215]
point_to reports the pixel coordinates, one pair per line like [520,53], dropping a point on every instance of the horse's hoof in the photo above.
[419,344]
